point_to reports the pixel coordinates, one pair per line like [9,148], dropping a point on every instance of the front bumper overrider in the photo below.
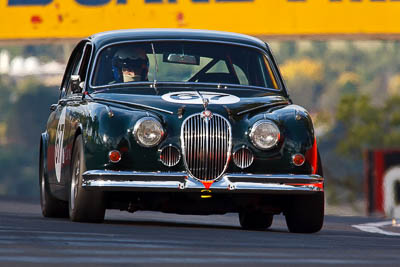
[107,180]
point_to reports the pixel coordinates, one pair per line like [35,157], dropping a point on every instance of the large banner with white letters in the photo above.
[38,19]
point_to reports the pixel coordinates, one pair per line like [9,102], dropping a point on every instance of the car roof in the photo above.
[105,38]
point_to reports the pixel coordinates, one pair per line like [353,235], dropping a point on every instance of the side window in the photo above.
[74,70]
[271,82]
[71,69]
[83,68]
[65,80]
[79,65]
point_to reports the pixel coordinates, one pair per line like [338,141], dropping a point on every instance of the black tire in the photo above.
[305,213]
[255,220]
[84,206]
[51,207]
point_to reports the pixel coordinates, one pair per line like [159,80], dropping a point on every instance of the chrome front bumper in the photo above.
[105,180]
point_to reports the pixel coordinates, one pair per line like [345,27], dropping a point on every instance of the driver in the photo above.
[130,65]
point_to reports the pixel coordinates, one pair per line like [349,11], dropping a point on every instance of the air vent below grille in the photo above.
[243,158]
[170,156]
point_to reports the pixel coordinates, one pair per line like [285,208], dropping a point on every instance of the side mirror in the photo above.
[76,85]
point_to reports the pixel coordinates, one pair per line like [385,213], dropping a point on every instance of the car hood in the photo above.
[237,101]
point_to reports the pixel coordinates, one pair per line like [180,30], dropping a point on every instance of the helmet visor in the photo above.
[133,64]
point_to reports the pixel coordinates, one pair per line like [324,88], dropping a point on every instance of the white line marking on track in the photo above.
[374,228]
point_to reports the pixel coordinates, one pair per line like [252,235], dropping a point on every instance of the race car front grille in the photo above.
[206,145]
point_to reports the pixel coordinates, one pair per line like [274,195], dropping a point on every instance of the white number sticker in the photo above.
[59,149]
[191,97]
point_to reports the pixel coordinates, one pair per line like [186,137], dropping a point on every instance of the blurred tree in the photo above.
[5,91]
[304,80]
[44,52]
[27,117]
[368,126]
[348,82]
[320,47]
[361,122]
[287,49]
[24,121]
[394,85]
[19,171]
[318,50]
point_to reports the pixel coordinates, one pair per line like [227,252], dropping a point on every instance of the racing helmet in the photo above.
[131,59]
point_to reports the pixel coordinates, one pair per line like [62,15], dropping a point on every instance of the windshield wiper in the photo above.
[156,69]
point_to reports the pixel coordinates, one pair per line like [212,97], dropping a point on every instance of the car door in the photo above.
[58,128]
[73,106]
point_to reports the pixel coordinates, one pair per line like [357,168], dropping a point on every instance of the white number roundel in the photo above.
[59,149]
[191,97]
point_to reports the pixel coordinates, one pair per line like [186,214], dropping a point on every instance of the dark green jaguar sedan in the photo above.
[179,121]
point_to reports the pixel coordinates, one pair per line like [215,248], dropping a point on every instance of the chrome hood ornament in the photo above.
[206,115]
[206,101]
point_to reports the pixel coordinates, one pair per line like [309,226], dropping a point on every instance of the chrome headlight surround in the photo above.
[144,135]
[270,132]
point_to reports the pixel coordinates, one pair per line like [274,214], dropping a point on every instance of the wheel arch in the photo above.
[44,139]
[77,131]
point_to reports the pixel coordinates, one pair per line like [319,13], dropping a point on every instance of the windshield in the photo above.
[196,62]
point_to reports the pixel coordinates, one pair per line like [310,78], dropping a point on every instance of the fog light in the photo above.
[298,159]
[114,156]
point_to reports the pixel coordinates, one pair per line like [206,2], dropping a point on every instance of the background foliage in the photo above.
[352,90]
[24,108]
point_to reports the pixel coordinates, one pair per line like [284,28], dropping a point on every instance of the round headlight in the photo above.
[264,134]
[148,132]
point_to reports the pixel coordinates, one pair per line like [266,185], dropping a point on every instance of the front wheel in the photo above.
[84,206]
[305,213]
[255,220]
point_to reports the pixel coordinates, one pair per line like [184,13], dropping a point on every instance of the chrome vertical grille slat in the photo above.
[206,146]
[211,170]
[191,149]
[219,143]
[196,133]
[201,169]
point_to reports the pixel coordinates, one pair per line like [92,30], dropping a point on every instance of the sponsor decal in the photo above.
[191,97]
[59,149]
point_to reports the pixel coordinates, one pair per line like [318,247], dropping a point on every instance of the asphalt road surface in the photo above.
[145,238]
